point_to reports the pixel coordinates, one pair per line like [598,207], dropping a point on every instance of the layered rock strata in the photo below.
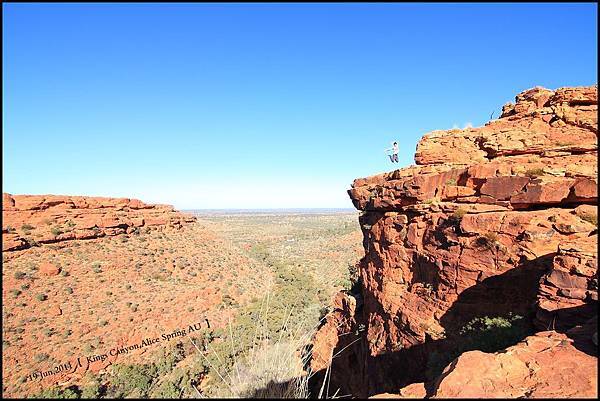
[492,222]
[28,220]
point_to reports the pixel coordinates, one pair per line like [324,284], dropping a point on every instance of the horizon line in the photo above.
[275,208]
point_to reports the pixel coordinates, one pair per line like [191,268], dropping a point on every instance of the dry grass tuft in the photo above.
[273,366]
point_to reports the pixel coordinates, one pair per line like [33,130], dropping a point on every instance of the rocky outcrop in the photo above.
[493,222]
[39,219]
[568,293]
[544,365]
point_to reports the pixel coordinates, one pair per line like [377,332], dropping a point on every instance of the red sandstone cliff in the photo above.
[493,222]
[37,219]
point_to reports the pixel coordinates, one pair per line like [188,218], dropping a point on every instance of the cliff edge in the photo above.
[480,269]
[30,220]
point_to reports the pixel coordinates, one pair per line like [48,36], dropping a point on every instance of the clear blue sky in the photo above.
[263,105]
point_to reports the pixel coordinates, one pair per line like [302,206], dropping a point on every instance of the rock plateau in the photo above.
[43,219]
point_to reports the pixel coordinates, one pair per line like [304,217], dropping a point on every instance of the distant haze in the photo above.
[261,105]
[311,211]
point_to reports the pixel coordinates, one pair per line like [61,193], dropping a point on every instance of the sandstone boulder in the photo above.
[546,365]
[49,269]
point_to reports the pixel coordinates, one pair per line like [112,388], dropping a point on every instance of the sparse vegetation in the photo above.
[534,172]
[490,334]
[302,259]
[58,393]
[458,214]
[40,357]
[590,217]
[264,359]
[488,241]
[20,275]
[92,391]
[487,334]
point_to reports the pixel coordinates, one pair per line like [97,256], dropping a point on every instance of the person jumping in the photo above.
[394,152]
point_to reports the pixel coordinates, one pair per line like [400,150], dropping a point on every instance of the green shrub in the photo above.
[229,301]
[590,218]
[167,390]
[57,392]
[131,380]
[487,334]
[20,275]
[91,392]
[27,227]
[41,297]
[490,334]
[488,241]
[40,357]
[534,172]
[32,242]
[451,181]
[168,358]
[56,231]
[458,214]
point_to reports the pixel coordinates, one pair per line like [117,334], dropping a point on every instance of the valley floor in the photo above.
[90,330]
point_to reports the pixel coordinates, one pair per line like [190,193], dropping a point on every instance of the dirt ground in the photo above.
[115,292]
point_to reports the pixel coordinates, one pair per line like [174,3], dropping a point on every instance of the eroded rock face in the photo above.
[31,219]
[493,221]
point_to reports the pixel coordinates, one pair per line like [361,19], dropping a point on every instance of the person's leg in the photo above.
[391,158]
[396,157]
